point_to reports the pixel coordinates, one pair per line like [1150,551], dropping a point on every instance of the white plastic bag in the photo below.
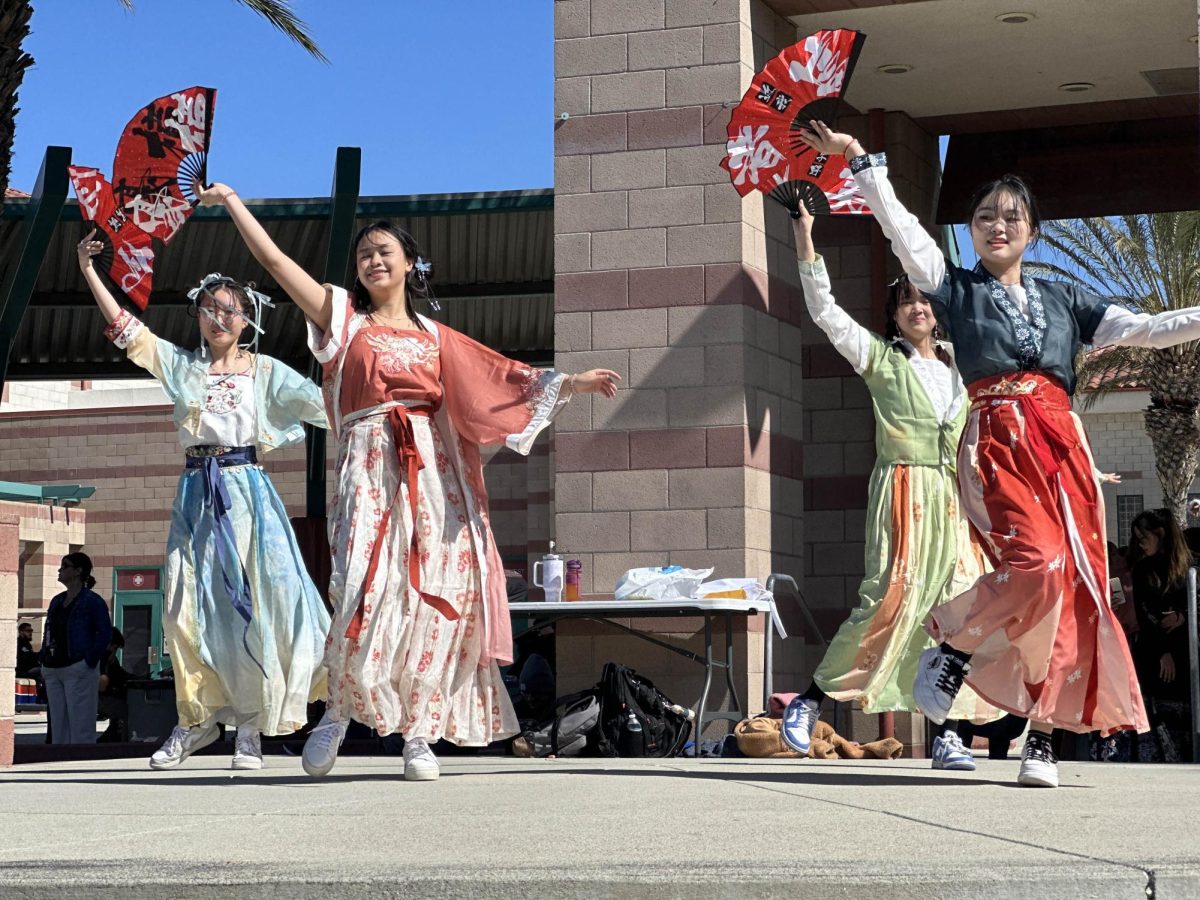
[733,589]
[660,583]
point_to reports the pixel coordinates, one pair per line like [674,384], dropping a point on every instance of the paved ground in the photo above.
[494,827]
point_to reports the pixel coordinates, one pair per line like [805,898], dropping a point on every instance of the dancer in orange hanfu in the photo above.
[420,611]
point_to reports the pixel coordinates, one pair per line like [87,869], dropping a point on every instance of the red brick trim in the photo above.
[147,514]
[6,743]
[681,126]
[836,492]
[601,133]
[118,471]
[110,428]
[823,361]
[156,410]
[681,448]
[101,562]
[587,291]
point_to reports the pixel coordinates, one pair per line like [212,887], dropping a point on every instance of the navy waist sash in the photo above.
[210,461]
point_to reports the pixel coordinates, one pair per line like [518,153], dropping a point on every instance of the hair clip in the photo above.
[423,267]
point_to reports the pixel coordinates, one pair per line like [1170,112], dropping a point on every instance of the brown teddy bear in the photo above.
[760,738]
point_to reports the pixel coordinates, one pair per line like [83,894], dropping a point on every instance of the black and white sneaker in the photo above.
[939,679]
[1039,765]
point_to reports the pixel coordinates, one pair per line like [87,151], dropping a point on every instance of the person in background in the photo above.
[77,631]
[27,659]
[113,682]
[1160,561]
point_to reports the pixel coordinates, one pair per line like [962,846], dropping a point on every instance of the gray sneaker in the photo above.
[939,679]
[182,743]
[247,750]
[321,748]
[419,762]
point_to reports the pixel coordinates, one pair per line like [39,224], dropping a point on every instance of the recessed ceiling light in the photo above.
[1015,18]
[894,69]
[1076,87]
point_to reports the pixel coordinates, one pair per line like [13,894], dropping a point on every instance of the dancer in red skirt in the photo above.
[1036,636]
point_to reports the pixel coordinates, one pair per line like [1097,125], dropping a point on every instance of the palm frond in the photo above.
[1102,372]
[282,16]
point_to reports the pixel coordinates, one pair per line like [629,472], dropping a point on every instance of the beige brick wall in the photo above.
[1116,429]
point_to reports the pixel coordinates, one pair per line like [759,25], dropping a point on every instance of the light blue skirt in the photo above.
[263,671]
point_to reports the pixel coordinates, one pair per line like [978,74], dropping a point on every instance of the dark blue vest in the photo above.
[991,337]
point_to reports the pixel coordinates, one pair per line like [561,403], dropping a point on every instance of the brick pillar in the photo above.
[10,554]
[664,274]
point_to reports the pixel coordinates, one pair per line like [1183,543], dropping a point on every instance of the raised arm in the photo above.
[307,293]
[919,254]
[848,337]
[86,249]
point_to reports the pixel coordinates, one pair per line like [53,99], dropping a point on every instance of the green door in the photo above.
[137,614]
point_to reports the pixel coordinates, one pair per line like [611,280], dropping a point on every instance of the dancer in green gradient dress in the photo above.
[919,550]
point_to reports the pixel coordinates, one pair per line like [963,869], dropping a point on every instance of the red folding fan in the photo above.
[160,163]
[764,153]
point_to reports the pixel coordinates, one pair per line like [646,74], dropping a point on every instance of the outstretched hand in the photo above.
[824,139]
[87,248]
[596,381]
[215,194]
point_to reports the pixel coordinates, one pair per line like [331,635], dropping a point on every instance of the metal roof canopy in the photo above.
[493,254]
[485,247]
[54,494]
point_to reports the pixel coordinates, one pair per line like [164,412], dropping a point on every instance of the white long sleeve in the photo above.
[918,253]
[1122,327]
[851,339]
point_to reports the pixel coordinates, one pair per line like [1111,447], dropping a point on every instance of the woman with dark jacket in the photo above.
[1160,560]
[78,629]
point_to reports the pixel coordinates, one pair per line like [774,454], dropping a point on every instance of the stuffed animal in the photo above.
[760,738]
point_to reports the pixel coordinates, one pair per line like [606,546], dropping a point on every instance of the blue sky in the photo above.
[442,95]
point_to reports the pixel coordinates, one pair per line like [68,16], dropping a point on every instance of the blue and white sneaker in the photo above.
[939,679]
[949,753]
[798,721]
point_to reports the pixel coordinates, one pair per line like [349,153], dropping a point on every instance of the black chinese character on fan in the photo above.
[782,101]
[766,92]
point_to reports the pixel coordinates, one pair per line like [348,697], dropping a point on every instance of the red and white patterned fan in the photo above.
[764,153]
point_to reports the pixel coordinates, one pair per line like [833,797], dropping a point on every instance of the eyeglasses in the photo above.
[1013,220]
[225,313]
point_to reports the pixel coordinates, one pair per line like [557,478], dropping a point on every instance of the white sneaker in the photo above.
[949,753]
[419,762]
[1039,765]
[798,721]
[321,748]
[247,750]
[182,743]
[939,679]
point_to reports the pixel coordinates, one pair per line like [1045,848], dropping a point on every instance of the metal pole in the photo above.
[1194,656]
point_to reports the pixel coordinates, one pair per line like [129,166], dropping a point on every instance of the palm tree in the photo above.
[1149,263]
[14,28]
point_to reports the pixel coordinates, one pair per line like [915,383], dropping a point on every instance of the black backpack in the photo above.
[636,718]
